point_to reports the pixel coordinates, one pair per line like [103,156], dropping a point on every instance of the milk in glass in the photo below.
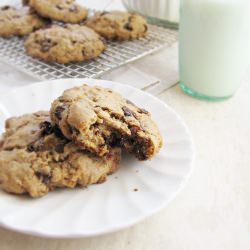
[214,49]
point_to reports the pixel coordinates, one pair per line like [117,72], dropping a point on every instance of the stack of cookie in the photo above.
[77,143]
[77,39]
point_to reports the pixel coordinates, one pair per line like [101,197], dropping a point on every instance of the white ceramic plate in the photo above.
[115,204]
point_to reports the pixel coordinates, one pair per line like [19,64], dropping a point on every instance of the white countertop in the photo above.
[212,212]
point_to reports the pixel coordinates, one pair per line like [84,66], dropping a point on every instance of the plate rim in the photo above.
[103,231]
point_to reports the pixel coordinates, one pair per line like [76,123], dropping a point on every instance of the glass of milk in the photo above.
[159,12]
[214,48]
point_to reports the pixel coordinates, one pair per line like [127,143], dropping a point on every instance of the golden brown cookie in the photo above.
[118,25]
[98,119]
[61,10]
[35,158]
[19,22]
[73,43]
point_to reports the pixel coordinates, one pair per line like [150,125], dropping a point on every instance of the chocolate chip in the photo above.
[134,129]
[6,7]
[59,148]
[143,111]
[30,147]
[46,127]
[58,112]
[58,132]
[45,178]
[127,111]
[46,45]
[127,26]
[73,130]
[145,27]
[112,140]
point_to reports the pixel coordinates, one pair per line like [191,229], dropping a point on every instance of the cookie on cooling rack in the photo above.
[98,119]
[72,43]
[67,11]
[19,22]
[118,25]
[35,158]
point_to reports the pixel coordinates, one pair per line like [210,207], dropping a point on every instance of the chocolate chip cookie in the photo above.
[98,119]
[19,22]
[118,25]
[72,43]
[61,10]
[35,158]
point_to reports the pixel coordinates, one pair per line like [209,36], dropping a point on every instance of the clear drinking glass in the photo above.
[214,48]
[160,12]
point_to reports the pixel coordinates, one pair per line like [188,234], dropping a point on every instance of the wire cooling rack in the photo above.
[117,54]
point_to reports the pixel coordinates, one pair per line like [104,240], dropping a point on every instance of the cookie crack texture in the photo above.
[60,10]
[103,119]
[19,21]
[72,43]
[54,161]
[118,25]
